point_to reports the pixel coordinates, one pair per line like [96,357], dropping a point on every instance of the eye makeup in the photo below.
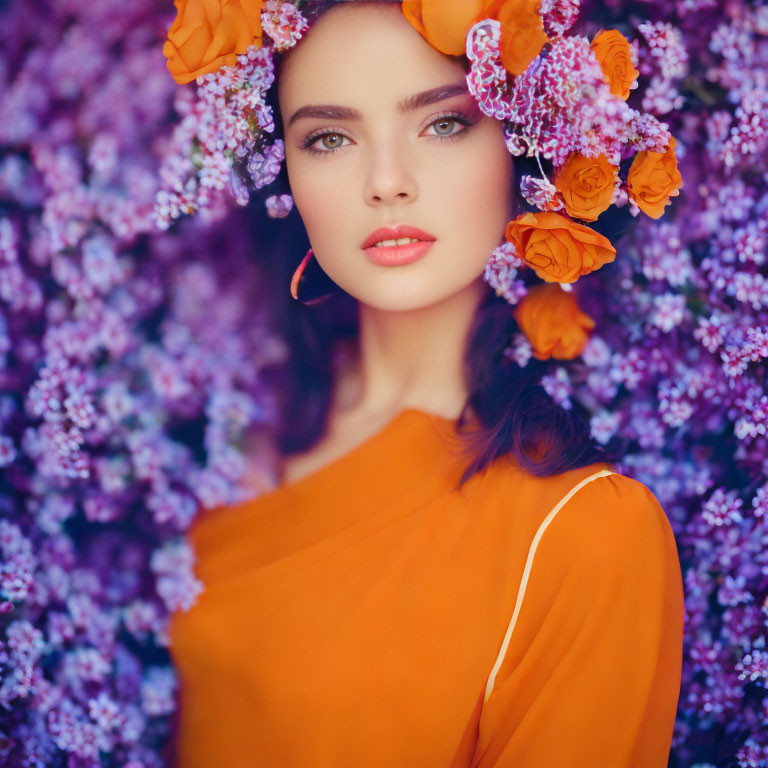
[457,117]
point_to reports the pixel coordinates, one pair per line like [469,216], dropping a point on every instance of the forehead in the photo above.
[362,53]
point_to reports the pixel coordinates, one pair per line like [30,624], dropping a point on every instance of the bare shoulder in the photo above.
[346,430]
[267,467]
[262,462]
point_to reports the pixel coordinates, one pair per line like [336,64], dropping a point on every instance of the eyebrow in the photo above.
[423,99]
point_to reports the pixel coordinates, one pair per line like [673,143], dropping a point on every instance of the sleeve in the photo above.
[590,675]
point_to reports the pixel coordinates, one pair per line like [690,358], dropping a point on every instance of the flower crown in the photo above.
[561,98]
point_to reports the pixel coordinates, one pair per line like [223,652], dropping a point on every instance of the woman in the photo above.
[369,609]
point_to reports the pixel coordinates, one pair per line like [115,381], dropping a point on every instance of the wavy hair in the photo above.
[516,415]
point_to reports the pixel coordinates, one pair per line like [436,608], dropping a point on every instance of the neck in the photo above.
[411,359]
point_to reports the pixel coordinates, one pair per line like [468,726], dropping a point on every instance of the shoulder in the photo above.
[595,498]
[609,522]
[589,506]
[590,518]
[601,575]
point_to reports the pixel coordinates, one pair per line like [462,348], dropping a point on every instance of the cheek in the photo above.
[480,192]
[320,190]
[493,184]
[315,193]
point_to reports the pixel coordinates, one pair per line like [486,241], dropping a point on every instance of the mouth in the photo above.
[395,235]
[395,255]
[394,245]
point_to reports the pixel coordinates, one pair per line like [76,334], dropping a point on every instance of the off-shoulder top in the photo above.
[369,615]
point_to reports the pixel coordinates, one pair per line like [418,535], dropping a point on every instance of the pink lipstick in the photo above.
[393,254]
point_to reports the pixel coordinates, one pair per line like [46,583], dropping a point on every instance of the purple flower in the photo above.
[130,352]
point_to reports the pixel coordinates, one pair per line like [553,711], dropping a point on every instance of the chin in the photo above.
[405,300]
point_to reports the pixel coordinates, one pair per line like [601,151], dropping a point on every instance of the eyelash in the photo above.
[461,119]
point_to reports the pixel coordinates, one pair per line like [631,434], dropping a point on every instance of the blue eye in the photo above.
[450,119]
[446,118]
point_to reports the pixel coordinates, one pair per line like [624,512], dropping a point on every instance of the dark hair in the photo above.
[516,414]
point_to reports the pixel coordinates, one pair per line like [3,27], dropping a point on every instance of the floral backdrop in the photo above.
[131,355]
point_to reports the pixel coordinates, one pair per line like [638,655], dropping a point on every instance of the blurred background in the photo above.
[134,358]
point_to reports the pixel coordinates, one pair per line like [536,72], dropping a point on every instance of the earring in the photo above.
[296,280]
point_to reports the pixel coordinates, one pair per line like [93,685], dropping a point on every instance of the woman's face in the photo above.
[357,161]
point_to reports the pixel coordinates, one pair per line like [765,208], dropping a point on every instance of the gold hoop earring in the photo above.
[296,281]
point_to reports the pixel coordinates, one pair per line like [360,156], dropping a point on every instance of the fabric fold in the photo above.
[354,617]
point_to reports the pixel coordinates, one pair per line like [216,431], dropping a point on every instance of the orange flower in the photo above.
[614,54]
[586,184]
[207,34]
[552,322]
[653,179]
[444,25]
[558,249]
[522,33]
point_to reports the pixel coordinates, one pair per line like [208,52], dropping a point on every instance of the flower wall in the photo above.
[130,368]
[131,354]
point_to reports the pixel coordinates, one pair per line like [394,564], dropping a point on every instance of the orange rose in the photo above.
[207,34]
[653,179]
[522,33]
[444,23]
[559,250]
[586,184]
[552,322]
[614,54]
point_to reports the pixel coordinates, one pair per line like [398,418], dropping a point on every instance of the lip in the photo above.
[392,255]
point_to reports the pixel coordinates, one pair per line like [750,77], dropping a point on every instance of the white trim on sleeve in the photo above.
[526,573]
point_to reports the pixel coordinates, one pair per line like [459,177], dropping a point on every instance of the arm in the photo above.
[591,675]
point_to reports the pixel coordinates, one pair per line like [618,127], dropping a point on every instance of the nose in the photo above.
[390,178]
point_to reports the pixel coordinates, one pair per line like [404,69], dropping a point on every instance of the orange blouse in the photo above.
[370,616]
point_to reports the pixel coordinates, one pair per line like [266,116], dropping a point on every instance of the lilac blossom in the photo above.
[131,352]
